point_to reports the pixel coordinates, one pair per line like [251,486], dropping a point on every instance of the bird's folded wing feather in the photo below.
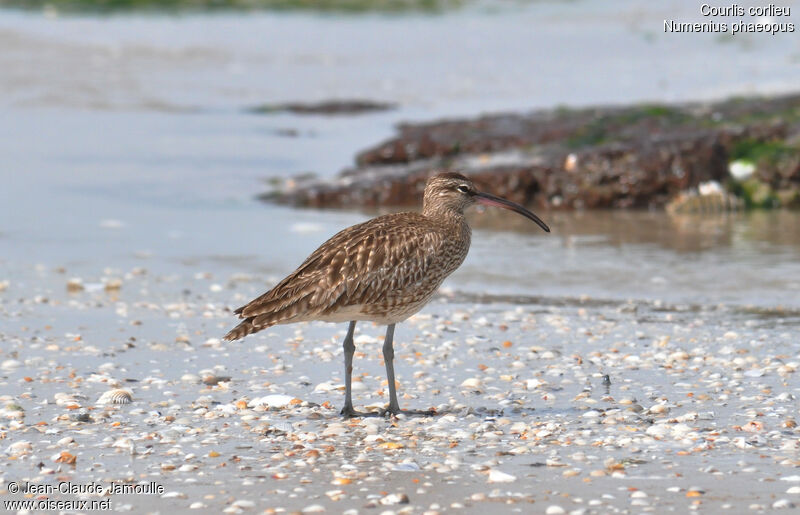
[362,265]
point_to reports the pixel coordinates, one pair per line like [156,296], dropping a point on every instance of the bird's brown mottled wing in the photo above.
[377,265]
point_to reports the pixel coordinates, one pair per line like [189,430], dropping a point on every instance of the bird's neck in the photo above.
[452,220]
[442,214]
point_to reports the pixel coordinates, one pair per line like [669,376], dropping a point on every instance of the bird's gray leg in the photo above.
[349,349]
[388,359]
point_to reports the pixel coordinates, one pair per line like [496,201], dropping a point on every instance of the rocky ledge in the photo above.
[644,156]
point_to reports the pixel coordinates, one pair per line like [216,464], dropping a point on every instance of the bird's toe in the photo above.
[389,412]
[349,412]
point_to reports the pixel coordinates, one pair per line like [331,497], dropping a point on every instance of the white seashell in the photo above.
[271,401]
[741,169]
[327,386]
[364,339]
[678,356]
[116,396]
[658,431]
[496,476]
[123,443]
[11,364]
[687,417]
[394,499]
[174,495]
[334,429]
[532,384]
[65,399]
[679,430]
[658,409]
[19,448]
[473,383]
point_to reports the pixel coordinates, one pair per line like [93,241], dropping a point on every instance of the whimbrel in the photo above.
[383,270]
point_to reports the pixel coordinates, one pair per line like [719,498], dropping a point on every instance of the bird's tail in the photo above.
[242,330]
[278,311]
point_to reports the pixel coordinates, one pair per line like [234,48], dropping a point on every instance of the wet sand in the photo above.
[699,413]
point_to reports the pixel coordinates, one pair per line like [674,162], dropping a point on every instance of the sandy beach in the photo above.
[559,406]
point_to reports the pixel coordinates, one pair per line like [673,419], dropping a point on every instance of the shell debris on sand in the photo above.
[273,401]
[75,285]
[112,284]
[497,476]
[697,396]
[116,396]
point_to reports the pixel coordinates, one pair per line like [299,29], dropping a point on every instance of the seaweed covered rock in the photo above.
[631,157]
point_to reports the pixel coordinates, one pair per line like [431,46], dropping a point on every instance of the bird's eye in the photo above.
[463,189]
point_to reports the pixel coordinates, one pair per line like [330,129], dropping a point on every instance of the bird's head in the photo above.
[452,192]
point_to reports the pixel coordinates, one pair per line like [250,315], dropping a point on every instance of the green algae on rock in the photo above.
[603,157]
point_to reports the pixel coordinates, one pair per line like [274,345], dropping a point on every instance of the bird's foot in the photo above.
[349,412]
[393,412]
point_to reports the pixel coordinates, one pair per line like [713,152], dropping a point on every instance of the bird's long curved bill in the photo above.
[491,200]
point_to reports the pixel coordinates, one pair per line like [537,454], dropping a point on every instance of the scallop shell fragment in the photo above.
[67,399]
[116,396]
[19,448]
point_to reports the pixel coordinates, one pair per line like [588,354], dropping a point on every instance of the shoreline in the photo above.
[740,153]
[519,391]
